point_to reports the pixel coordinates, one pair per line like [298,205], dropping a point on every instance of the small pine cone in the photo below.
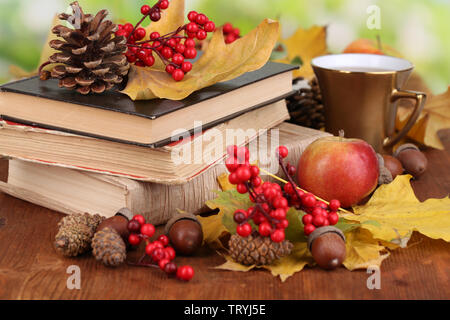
[257,250]
[75,233]
[109,247]
[90,57]
[306,106]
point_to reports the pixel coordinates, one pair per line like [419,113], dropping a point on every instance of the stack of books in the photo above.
[99,153]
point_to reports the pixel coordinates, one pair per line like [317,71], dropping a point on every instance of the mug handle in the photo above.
[420,98]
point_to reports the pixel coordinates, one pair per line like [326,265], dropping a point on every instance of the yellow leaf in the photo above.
[213,229]
[224,183]
[284,267]
[435,116]
[219,63]
[363,250]
[305,44]
[394,212]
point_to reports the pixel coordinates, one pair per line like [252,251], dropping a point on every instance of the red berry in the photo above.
[210,26]
[317,211]
[232,151]
[171,43]
[128,27]
[333,218]
[163,239]
[241,188]
[139,64]
[283,224]
[170,268]
[134,239]
[149,249]
[233,179]
[158,254]
[170,68]
[227,28]
[158,244]
[289,189]
[162,263]
[322,205]
[148,230]
[167,52]
[186,66]
[190,53]
[243,173]
[145,9]
[307,219]
[318,221]
[155,15]
[178,75]
[230,39]
[280,203]
[265,229]
[201,19]
[201,35]
[278,235]
[309,228]
[139,218]
[192,15]
[326,223]
[254,171]
[309,200]
[270,193]
[282,151]
[239,216]
[192,27]
[178,58]
[180,47]
[139,34]
[243,154]
[157,45]
[121,33]
[154,35]
[244,230]
[149,61]
[231,164]
[170,253]
[164,4]
[185,273]
[256,182]
[291,170]
[190,43]
[134,226]
[236,32]
[335,205]
[279,214]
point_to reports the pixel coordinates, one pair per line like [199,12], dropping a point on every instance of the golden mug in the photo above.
[360,94]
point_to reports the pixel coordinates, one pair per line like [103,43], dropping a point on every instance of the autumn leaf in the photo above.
[220,62]
[398,213]
[435,116]
[302,47]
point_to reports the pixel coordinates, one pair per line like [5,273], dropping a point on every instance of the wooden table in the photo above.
[30,268]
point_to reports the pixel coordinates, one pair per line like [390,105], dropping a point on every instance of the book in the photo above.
[160,165]
[150,123]
[74,191]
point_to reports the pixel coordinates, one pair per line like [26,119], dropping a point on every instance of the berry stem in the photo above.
[142,20]
[291,181]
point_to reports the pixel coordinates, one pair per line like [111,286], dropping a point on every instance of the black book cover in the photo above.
[150,109]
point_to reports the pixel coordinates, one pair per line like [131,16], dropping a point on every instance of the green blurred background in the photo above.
[418,29]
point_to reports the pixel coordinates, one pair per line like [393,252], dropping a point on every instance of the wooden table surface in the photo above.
[31,269]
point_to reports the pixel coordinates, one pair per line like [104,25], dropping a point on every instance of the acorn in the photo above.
[327,246]
[394,166]
[185,233]
[412,159]
[119,222]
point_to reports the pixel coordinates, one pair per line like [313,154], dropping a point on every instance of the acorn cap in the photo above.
[380,160]
[405,147]
[125,212]
[321,231]
[178,217]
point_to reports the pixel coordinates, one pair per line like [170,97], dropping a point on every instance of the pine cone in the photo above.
[109,247]
[75,233]
[306,106]
[257,250]
[91,58]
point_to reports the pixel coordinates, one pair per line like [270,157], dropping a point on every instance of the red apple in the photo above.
[339,168]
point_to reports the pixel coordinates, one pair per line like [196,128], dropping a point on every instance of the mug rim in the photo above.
[314,65]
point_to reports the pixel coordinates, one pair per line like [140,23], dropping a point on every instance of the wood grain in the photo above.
[30,268]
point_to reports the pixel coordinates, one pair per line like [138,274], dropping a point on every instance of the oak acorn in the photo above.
[394,166]
[327,246]
[412,159]
[119,222]
[185,233]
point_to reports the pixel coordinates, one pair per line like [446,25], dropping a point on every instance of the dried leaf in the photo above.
[398,213]
[219,63]
[225,185]
[363,250]
[304,45]
[435,116]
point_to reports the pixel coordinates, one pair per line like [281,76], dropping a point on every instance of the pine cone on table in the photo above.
[90,58]
[306,106]
[109,247]
[257,250]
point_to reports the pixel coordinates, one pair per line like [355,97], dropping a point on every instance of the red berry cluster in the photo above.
[269,212]
[159,250]
[173,48]
[271,201]
[231,33]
